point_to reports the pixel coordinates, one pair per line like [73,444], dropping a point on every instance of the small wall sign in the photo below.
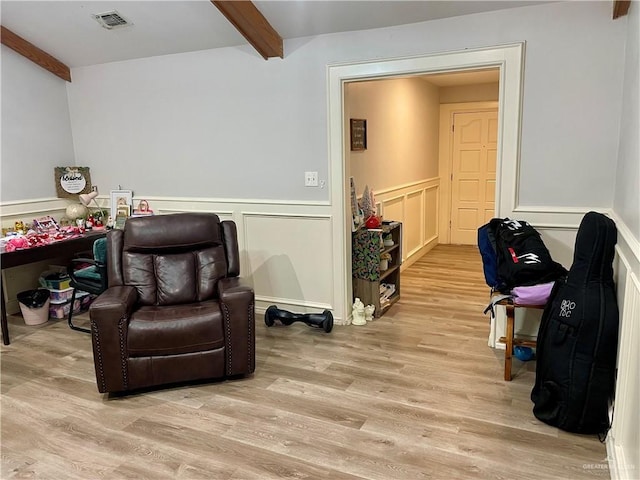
[358,134]
[72,181]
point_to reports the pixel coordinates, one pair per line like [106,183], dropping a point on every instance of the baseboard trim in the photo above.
[619,466]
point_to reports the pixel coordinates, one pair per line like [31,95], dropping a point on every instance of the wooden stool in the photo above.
[509,339]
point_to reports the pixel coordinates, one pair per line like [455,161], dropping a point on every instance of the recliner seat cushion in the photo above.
[173,330]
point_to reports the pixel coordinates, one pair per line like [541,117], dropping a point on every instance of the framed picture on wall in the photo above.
[358,134]
[121,202]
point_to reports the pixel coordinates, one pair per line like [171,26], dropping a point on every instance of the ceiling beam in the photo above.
[33,53]
[253,26]
[620,8]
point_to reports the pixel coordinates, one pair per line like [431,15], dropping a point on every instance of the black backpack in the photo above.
[578,336]
[521,255]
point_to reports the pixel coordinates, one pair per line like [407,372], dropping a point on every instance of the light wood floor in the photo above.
[414,394]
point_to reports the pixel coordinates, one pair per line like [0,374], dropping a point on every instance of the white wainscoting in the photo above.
[416,206]
[287,255]
[623,441]
[286,248]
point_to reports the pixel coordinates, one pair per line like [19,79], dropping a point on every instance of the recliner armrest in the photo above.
[237,302]
[109,314]
[232,286]
[113,304]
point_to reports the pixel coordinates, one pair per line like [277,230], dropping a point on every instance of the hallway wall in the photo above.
[483,92]
[402,131]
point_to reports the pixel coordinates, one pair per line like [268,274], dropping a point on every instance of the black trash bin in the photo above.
[34,305]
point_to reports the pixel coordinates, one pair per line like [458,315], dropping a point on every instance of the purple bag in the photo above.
[533,294]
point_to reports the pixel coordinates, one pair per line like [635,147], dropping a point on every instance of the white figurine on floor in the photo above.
[358,313]
[368,312]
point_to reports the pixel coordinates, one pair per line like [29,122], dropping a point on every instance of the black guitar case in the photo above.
[578,337]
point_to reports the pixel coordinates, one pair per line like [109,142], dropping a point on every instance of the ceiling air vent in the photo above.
[111,20]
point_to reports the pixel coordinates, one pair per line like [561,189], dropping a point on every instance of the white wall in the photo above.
[224,123]
[570,138]
[626,201]
[623,442]
[219,123]
[36,130]
[36,138]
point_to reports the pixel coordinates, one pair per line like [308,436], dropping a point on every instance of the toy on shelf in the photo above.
[94,219]
[143,209]
[367,206]
[45,225]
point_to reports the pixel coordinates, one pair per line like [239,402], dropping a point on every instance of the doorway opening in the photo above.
[508,59]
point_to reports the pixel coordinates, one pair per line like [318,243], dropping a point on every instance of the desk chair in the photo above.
[88,275]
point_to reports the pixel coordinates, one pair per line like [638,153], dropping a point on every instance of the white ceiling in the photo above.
[66,29]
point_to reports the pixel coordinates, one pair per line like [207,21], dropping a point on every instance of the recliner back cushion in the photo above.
[173,259]
[174,278]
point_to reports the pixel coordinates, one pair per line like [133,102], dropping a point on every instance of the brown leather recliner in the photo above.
[175,309]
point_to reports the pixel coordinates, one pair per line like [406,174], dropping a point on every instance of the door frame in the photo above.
[445,158]
[508,58]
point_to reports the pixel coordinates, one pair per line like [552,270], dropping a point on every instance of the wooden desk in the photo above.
[37,254]
[509,339]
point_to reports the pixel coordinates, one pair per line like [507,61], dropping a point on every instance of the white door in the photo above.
[473,181]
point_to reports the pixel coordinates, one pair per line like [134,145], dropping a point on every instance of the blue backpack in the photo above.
[487,247]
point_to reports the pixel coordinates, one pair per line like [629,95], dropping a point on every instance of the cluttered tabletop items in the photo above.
[46,230]
[43,231]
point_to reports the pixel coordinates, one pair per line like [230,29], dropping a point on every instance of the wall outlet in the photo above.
[310,179]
